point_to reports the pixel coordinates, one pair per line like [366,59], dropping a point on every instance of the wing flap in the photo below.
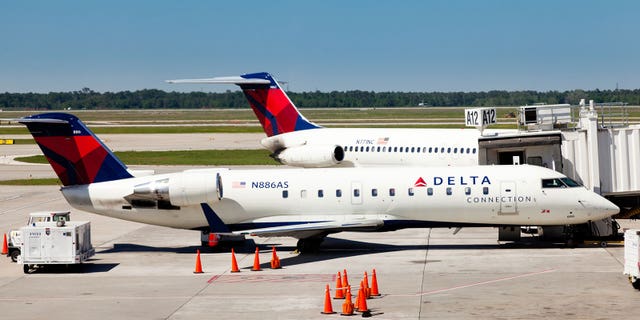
[314,227]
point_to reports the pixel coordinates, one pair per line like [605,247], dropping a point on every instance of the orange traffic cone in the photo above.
[198,263]
[339,288]
[5,247]
[367,290]
[362,301]
[328,308]
[275,261]
[234,263]
[374,284]
[256,261]
[357,304]
[345,279]
[347,306]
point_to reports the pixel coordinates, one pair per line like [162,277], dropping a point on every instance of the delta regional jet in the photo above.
[308,204]
[294,140]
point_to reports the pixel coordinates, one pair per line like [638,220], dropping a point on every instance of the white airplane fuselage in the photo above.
[377,147]
[377,198]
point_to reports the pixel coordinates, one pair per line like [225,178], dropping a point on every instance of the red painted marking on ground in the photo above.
[244,278]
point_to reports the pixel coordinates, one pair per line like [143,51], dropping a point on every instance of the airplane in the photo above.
[307,203]
[293,140]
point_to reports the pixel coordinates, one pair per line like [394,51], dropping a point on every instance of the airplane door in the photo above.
[356,193]
[508,204]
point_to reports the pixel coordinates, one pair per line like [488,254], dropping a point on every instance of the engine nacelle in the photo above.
[311,156]
[182,189]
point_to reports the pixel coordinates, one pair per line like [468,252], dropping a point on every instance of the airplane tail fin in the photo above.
[272,106]
[77,156]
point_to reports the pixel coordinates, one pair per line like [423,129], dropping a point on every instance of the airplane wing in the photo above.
[304,230]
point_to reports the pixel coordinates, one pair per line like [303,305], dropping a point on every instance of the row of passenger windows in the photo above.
[374,192]
[410,149]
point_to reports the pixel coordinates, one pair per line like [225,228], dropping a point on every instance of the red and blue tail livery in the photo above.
[272,106]
[75,153]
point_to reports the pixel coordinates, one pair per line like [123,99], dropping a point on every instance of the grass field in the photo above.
[191,157]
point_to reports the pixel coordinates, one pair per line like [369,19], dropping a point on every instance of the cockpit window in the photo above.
[570,182]
[560,183]
[552,183]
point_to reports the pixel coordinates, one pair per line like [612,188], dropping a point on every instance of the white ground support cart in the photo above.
[61,242]
[15,237]
[632,256]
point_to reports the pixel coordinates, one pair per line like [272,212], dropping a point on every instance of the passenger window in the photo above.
[400,149]
[320,193]
[303,194]
[392,192]
[361,149]
[485,190]
[395,149]
[378,149]
[410,191]
[356,192]
[367,149]
[474,150]
[285,194]
[455,150]
[442,150]
[424,149]
[413,149]
[448,150]
[449,191]
[435,150]
[384,149]
[338,193]
[430,191]
[468,150]
[467,190]
[374,192]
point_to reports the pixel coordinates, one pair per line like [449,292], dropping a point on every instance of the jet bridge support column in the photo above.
[589,122]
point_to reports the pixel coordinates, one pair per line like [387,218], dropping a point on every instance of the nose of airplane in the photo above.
[603,208]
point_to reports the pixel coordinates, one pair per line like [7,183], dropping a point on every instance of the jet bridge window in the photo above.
[410,192]
[338,193]
[485,190]
[320,193]
[374,192]
[392,192]
[303,194]
[449,191]
[467,190]
[285,194]
[356,192]
[429,191]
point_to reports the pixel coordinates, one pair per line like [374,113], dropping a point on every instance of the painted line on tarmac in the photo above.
[473,284]
[272,278]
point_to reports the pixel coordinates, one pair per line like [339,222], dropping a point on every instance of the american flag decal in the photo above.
[545,211]
[383,140]
[238,184]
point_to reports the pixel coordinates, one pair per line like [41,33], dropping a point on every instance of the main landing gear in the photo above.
[309,245]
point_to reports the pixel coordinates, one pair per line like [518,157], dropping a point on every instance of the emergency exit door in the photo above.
[508,204]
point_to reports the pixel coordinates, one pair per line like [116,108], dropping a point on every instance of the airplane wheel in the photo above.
[309,245]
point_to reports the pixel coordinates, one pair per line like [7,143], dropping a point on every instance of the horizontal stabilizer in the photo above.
[223,80]
[325,226]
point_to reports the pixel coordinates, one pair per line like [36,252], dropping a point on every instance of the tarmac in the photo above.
[146,272]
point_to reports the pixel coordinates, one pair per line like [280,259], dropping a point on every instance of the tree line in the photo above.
[158,99]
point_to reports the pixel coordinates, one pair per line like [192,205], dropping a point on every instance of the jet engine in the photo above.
[311,156]
[181,189]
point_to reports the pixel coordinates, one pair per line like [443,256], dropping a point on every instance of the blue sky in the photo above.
[450,45]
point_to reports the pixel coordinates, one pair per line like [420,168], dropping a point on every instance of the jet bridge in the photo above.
[593,144]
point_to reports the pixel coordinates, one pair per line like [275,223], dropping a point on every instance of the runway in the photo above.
[146,272]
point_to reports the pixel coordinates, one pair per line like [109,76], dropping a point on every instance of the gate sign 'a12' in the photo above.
[480,117]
